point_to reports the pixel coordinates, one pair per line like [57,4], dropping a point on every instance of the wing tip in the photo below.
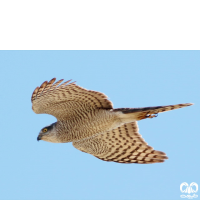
[52,80]
[34,93]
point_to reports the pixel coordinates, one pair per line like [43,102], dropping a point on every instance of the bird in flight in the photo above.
[88,120]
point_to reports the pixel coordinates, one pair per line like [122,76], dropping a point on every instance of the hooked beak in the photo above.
[39,138]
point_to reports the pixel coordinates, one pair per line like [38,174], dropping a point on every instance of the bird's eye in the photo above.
[44,130]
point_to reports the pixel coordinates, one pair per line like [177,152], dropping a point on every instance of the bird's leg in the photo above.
[145,115]
[152,115]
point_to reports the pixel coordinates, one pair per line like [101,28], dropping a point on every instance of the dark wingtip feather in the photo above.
[43,85]
[34,94]
[52,80]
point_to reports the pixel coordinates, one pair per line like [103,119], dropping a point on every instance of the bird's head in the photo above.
[48,133]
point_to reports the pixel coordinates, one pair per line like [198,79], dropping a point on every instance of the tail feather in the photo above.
[136,114]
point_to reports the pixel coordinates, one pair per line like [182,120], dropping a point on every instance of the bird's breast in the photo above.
[84,126]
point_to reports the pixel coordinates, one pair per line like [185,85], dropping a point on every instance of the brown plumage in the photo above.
[87,119]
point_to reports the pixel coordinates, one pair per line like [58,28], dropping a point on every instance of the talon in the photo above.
[151,115]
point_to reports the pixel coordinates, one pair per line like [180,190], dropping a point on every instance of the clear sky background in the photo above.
[46,171]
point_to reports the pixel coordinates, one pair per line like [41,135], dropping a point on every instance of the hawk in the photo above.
[88,120]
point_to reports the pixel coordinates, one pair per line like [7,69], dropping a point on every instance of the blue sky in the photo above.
[47,171]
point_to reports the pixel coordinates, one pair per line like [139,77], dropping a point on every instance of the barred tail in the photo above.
[135,114]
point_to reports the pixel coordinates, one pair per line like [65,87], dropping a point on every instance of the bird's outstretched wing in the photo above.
[123,145]
[67,99]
